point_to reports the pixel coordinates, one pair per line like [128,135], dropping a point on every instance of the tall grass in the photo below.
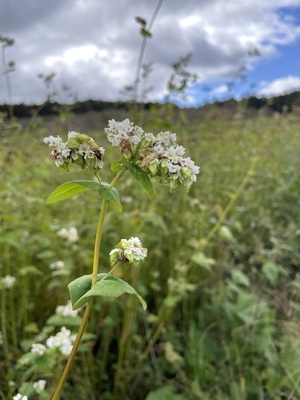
[221,279]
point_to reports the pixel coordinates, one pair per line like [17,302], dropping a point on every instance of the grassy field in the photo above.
[221,279]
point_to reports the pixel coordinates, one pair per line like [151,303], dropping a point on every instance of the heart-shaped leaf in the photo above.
[81,289]
[111,195]
[66,190]
[73,188]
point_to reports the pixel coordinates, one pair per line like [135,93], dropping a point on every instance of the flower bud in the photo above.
[174,184]
[153,166]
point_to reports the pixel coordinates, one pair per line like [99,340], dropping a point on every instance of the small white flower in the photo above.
[65,152]
[8,281]
[70,234]
[148,139]
[83,149]
[53,141]
[62,341]
[39,385]
[175,152]
[173,168]
[166,139]
[67,310]
[73,135]
[57,265]
[20,397]
[66,348]
[38,348]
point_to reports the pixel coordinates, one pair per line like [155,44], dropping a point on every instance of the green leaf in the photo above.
[60,320]
[70,189]
[81,289]
[140,175]
[203,261]
[73,188]
[145,33]
[240,278]
[112,196]
[272,272]
[167,392]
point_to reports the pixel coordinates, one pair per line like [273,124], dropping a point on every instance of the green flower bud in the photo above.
[174,184]
[153,166]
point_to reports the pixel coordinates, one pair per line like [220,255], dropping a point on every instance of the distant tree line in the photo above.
[54,108]
[284,103]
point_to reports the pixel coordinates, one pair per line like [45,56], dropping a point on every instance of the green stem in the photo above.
[88,308]
[67,368]
[3,321]
[231,204]
[8,84]
[142,51]
[125,341]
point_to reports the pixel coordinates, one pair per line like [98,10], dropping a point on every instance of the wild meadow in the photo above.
[221,279]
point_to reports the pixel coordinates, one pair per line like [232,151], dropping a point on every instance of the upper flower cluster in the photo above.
[78,149]
[158,155]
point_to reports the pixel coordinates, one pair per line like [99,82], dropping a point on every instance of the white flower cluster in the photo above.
[130,250]
[67,310]
[38,349]
[7,281]
[79,149]
[123,133]
[57,265]
[70,234]
[20,397]
[63,341]
[157,155]
[39,385]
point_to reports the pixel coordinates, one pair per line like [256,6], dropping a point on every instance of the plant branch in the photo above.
[88,308]
[142,51]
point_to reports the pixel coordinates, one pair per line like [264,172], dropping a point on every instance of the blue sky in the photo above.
[266,71]
[92,46]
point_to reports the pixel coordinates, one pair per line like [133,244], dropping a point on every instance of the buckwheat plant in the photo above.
[146,157]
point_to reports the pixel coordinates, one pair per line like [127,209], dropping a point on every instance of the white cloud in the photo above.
[279,86]
[220,90]
[93,46]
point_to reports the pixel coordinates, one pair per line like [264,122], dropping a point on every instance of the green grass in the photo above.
[221,279]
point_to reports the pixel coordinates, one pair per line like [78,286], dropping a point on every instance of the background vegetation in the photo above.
[221,279]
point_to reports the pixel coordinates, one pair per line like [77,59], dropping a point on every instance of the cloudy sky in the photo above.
[238,47]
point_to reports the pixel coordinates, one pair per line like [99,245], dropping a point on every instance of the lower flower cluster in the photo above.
[130,250]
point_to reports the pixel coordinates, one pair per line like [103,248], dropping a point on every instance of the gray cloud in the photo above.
[218,33]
